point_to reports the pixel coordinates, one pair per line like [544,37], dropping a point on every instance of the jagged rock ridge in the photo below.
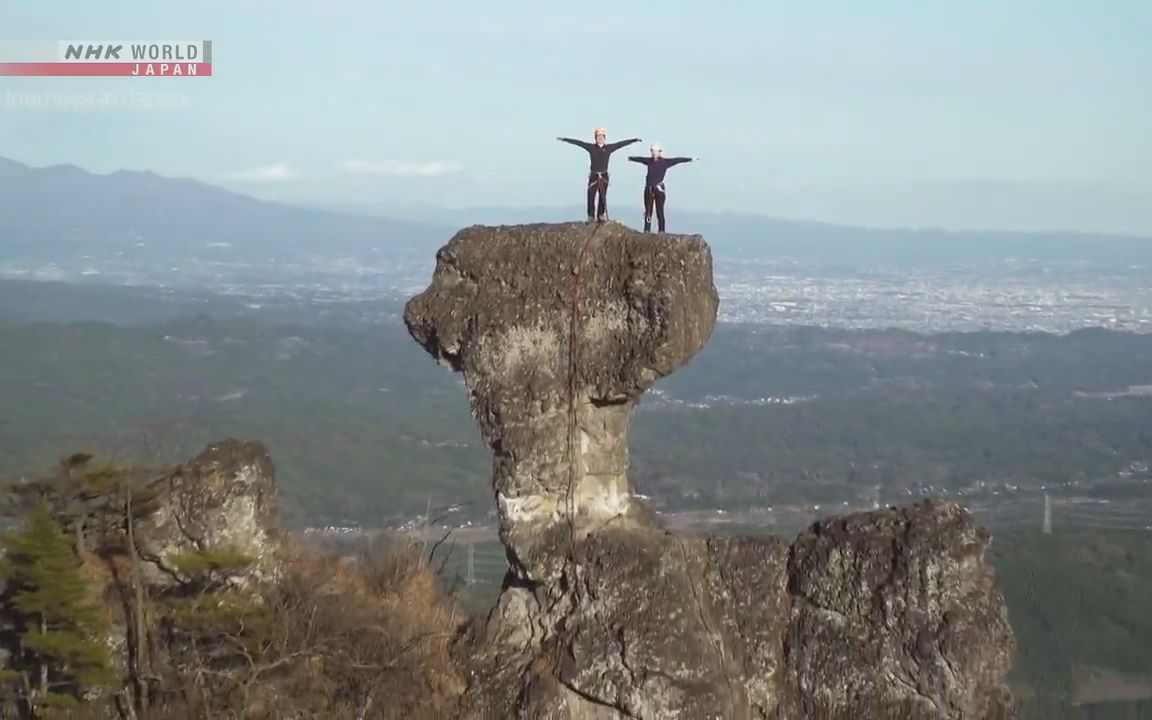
[558,330]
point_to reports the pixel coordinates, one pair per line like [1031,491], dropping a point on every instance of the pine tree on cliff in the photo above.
[61,491]
[85,500]
[56,655]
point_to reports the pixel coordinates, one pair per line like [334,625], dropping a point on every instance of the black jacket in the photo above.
[657,167]
[599,154]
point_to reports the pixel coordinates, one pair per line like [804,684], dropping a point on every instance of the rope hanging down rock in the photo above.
[574,356]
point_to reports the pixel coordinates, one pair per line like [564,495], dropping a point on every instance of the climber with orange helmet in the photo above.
[654,191]
[598,152]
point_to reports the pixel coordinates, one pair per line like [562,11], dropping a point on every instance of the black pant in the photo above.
[654,196]
[598,185]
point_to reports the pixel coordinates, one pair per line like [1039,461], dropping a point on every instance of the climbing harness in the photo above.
[598,185]
[653,199]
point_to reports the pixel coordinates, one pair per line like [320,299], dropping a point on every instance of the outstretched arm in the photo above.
[574,141]
[678,160]
[613,147]
[640,159]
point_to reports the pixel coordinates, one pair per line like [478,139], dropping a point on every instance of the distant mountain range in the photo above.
[126,220]
[140,222]
[768,237]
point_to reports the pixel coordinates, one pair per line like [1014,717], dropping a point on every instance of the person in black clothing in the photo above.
[654,190]
[598,153]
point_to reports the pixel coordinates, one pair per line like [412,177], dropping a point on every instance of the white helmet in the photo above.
[656,147]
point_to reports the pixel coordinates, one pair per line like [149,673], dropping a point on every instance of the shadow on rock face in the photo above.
[558,330]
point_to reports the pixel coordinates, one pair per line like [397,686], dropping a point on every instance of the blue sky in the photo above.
[1020,114]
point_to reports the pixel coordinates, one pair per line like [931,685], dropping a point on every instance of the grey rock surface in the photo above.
[604,614]
[556,412]
[897,609]
[225,498]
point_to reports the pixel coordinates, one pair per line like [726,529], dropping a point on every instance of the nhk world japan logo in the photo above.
[88,58]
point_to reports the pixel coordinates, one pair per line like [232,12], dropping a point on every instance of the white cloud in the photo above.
[267,173]
[390,168]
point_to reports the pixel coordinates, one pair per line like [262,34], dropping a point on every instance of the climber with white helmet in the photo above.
[654,191]
[598,152]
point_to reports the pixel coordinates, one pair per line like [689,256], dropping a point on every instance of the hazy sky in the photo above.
[1014,114]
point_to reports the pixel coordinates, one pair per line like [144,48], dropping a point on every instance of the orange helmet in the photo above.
[600,131]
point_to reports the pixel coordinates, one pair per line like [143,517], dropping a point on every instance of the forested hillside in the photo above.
[365,429]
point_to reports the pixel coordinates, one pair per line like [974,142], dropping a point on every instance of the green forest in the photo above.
[1078,602]
[366,429]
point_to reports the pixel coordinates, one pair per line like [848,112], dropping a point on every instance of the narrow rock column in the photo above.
[503,307]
